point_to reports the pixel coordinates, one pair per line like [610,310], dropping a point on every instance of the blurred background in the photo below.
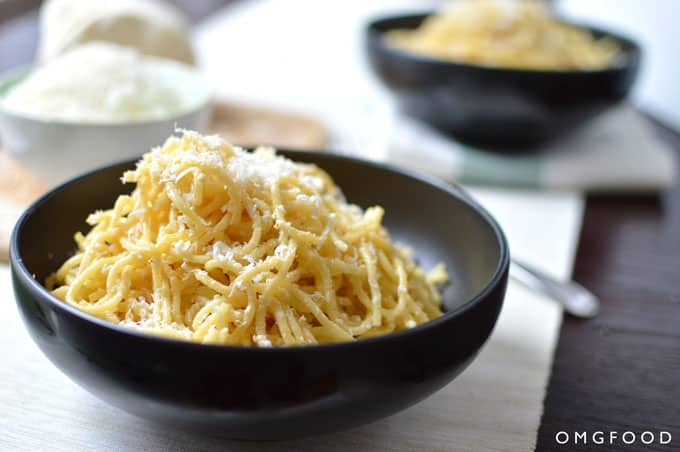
[652,23]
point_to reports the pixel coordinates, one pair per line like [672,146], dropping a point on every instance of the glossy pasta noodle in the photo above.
[220,245]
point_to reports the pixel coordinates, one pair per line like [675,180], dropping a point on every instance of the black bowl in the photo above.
[251,393]
[493,106]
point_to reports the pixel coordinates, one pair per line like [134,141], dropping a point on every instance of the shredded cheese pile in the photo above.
[101,82]
[220,245]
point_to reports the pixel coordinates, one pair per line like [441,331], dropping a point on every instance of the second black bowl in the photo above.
[495,106]
[254,393]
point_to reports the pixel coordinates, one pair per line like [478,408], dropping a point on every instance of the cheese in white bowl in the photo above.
[102,82]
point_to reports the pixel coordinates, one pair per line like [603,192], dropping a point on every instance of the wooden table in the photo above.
[618,372]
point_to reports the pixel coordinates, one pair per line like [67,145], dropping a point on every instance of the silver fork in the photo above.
[576,299]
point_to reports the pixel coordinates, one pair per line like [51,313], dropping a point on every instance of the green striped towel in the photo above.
[618,151]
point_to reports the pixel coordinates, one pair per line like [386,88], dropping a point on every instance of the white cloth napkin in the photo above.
[617,151]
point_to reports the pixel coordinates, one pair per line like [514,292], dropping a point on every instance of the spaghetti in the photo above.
[507,34]
[220,245]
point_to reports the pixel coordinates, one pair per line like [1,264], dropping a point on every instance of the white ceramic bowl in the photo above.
[55,150]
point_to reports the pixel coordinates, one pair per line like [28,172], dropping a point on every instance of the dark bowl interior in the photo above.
[250,393]
[495,107]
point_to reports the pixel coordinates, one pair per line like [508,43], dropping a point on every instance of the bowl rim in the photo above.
[12,77]
[37,289]
[633,51]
